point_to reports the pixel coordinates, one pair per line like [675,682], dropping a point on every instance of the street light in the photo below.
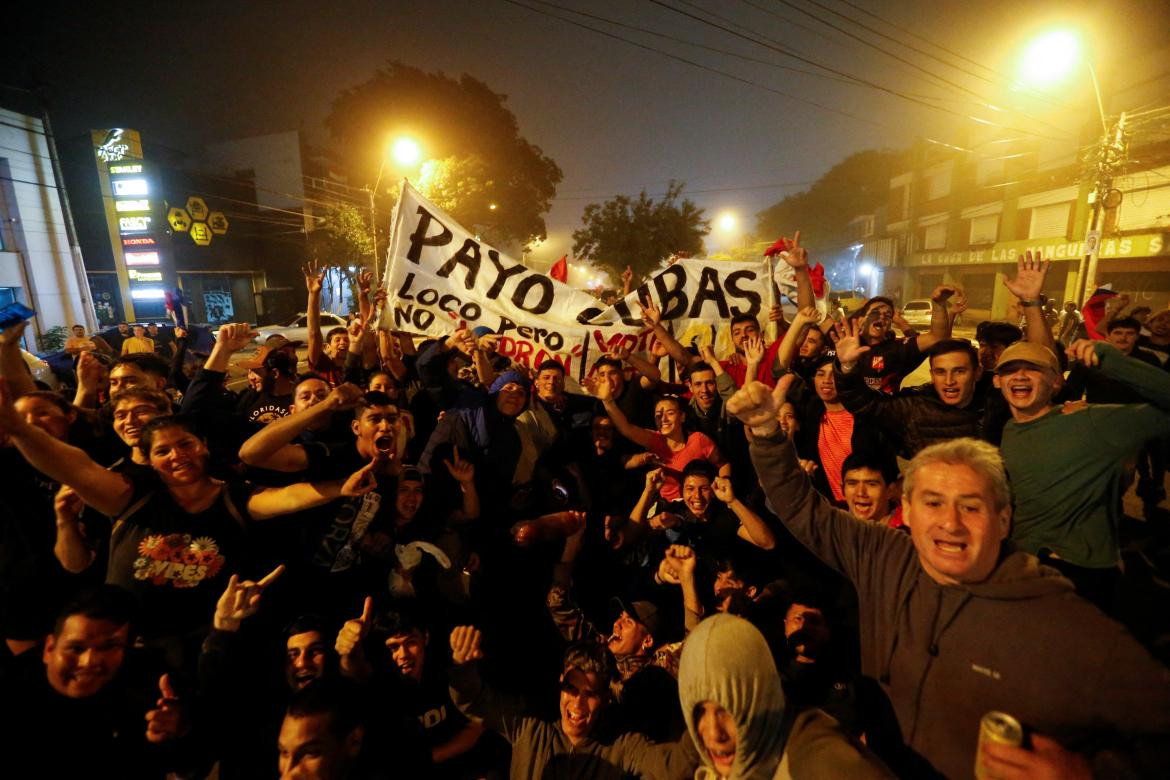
[406,153]
[1046,61]
[1050,58]
[727,221]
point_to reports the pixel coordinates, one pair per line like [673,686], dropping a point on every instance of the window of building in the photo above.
[1144,209]
[989,172]
[985,230]
[899,202]
[1049,221]
[937,184]
[935,236]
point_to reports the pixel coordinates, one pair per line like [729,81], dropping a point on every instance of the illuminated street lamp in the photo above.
[1048,60]
[1052,58]
[406,153]
[727,221]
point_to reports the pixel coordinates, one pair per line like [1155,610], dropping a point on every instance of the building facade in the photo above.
[40,261]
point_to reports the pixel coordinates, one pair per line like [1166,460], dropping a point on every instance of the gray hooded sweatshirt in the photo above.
[726,660]
[1021,642]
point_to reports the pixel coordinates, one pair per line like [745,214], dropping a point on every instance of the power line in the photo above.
[699,65]
[835,71]
[780,185]
[954,84]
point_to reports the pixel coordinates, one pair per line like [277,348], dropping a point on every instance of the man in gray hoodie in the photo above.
[735,711]
[955,623]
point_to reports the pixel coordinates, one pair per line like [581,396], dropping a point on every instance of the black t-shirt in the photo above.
[713,537]
[262,408]
[178,563]
[885,365]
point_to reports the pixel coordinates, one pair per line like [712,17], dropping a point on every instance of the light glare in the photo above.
[1050,58]
[406,152]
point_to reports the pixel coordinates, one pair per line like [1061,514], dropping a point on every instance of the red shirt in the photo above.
[738,371]
[835,443]
[698,445]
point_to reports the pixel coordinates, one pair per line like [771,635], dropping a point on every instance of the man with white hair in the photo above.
[954,623]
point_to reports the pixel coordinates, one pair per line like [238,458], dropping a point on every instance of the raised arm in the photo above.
[485,345]
[471,695]
[797,258]
[1028,286]
[640,436]
[106,491]
[678,568]
[89,377]
[805,318]
[839,540]
[752,528]
[940,317]
[12,365]
[463,471]
[314,281]
[654,482]
[648,373]
[652,317]
[71,549]
[266,503]
[272,448]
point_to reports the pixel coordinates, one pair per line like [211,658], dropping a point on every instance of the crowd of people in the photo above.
[420,559]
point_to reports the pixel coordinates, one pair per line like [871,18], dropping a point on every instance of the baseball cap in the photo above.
[643,612]
[277,341]
[1029,352]
[258,361]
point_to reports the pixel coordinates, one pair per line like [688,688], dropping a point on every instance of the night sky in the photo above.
[615,117]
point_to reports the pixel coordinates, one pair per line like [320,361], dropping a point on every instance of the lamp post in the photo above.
[1048,60]
[406,153]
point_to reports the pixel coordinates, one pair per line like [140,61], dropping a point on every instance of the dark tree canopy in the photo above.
[856,185]
[477,154]
[639,232]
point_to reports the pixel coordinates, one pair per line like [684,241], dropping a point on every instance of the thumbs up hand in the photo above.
[166,721]
[349,642]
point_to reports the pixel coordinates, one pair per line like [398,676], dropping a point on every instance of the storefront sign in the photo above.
[1142,245]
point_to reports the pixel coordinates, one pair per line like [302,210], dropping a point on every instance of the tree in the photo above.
[857,185]
[476,155]
[343,245]
[639,232]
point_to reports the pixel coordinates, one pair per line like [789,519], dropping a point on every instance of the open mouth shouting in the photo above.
[386,445]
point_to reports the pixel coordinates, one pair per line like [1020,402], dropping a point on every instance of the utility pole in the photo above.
[1109,157]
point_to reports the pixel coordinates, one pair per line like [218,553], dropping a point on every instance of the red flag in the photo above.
[1094,310]
[560,269]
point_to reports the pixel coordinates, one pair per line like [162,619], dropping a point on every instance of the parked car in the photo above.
[298,329]
[41,371]
[917,312]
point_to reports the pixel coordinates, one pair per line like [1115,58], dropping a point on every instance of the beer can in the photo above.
[1000,728]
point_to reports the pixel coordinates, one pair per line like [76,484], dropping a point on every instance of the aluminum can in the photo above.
[999,728]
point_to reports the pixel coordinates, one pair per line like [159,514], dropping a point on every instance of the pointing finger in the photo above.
[166,689]
[271,576]
[367,610]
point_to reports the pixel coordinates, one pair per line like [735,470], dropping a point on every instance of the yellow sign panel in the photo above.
[218,223]
[197,208]
[201,233]
[144,276]
[179,218]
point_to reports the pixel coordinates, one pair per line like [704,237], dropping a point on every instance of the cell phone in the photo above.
[14,313]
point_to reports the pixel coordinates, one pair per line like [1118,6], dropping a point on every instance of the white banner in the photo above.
[439,275]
